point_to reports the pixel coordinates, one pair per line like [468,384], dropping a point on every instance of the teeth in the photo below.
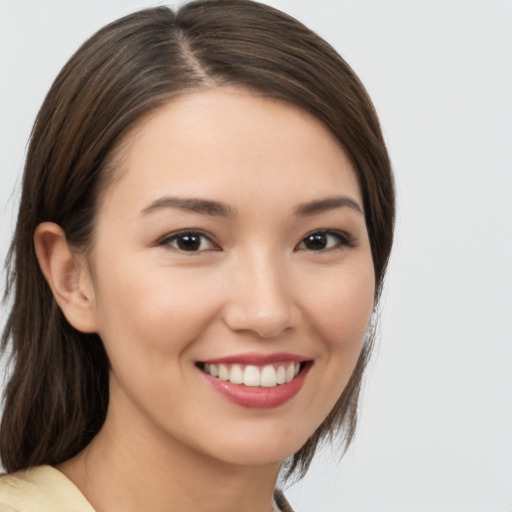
[290,373]
[267,376]
[236,374]
[223,372]
[281,375]
[251,376]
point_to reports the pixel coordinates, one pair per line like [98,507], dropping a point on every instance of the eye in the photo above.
[189,241]
[324,240]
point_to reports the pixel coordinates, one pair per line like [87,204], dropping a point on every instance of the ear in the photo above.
[68,276]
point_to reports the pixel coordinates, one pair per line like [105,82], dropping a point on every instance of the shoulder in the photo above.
[40,489]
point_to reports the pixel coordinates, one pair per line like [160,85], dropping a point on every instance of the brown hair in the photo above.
[57,396]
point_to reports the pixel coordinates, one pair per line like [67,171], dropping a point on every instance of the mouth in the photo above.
[269,375]
[256,381]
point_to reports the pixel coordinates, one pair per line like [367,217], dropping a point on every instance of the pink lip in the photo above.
[258,359]
[257,397]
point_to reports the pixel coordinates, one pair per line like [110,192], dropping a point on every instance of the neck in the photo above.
[133,469]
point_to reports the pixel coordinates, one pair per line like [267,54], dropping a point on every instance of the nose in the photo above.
[262,300]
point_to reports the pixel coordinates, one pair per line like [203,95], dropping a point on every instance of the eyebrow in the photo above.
[202,206]
[329,203]
[215,208]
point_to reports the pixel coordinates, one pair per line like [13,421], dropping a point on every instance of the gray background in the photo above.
[436,425]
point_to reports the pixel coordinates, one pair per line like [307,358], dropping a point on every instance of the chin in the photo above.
[260,446]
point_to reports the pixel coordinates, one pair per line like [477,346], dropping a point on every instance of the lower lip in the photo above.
[258,397]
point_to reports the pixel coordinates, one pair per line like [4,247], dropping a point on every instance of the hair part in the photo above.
[57,396]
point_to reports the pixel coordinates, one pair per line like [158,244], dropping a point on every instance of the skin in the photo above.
[253,286]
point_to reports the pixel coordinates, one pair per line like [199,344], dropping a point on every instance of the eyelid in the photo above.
[166,239]
[345,240]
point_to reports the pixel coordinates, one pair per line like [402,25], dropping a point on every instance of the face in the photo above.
[232,276]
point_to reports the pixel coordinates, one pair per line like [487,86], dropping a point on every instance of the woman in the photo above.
[206,218]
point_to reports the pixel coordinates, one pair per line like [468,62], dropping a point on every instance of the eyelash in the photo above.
[175,237]
[342,240]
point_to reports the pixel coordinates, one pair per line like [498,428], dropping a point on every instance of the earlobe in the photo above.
[67,275]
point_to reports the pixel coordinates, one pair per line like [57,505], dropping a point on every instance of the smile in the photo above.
[266,376]
[256,381]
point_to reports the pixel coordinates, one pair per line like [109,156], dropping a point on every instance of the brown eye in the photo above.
[323,240]
[189,241]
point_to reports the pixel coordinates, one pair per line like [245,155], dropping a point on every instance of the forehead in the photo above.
[228,142]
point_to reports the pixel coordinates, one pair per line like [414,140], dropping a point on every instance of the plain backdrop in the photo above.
[436,416]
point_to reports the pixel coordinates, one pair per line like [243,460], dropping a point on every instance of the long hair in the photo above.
[57,396]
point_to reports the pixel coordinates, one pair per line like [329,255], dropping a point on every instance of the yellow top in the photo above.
[45,489]
[41,489]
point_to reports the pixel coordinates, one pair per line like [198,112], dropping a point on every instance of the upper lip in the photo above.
[257,359]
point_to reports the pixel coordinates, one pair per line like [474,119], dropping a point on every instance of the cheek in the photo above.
[338,304]
[147,324]
[152,311]
[341,308]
